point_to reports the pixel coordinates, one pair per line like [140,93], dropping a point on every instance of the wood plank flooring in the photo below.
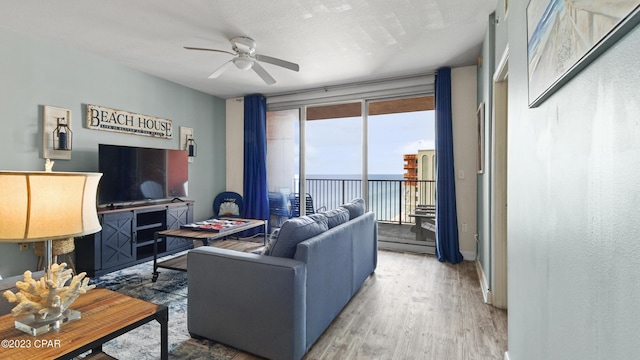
[415,307]
[180,262]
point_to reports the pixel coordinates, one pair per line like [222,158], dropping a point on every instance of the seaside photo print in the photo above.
[564,36]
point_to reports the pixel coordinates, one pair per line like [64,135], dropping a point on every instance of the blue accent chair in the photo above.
[227,204]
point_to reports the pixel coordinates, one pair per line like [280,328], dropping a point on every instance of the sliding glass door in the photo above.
[401,143]
[333,154]
[283,162]
[382,151]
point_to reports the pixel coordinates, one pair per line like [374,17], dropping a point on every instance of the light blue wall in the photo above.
[573,219]
[485,88]
[36,73]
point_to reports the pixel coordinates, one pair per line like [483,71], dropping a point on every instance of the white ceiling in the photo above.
[334,41]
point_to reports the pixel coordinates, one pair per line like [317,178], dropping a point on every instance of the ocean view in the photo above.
[390,197]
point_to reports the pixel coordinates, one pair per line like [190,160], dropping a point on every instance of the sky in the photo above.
[334,146]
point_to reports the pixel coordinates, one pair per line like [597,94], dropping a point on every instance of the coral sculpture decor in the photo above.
[48,297]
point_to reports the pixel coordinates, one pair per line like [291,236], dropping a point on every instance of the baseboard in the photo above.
[413,247]
[468,255]
[484,285]
[506,355]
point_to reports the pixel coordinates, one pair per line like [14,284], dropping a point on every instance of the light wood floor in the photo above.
[415,307]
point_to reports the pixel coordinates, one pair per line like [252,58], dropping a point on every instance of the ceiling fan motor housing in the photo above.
[243,45]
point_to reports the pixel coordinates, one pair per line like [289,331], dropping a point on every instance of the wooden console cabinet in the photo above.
[127,235]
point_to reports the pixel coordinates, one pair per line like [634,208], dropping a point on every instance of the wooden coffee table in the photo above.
[105,315]
[178,263]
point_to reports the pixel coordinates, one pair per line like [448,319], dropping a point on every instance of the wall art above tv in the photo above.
[102,118]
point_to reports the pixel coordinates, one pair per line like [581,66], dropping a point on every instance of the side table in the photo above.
[105,315]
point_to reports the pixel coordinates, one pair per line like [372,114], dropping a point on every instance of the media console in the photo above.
[127,236]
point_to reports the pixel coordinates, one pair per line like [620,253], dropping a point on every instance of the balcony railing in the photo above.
[391,200]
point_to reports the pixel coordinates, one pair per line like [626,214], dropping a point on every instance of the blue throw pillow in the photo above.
[294,231]
[336,216]
[355,207]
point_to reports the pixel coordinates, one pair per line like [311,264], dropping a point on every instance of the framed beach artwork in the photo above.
[564,36]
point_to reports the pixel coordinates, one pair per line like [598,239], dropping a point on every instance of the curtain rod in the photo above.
[329,88]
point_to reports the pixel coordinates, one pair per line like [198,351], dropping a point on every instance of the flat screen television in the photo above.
[135,174]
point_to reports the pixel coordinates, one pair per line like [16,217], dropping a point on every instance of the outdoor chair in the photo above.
[425,225]
[278,207]
[294,200]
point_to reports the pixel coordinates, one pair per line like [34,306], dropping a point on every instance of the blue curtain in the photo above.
[255,194]
[447,245]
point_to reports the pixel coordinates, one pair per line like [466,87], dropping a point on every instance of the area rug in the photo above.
[144,342]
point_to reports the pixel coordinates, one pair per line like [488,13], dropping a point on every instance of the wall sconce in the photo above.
[56,133]
[62,135]
[192,147]
[188,143]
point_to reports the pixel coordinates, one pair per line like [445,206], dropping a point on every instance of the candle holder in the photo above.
[192,147]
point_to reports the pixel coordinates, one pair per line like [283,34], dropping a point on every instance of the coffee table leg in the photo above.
[97,349]
[163,319]
[264,241]
[155,257]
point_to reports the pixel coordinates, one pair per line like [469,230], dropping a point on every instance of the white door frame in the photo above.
[499,183]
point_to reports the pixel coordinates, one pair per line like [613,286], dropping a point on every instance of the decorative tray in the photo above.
[216,225]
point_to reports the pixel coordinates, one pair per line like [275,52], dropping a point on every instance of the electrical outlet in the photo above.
[464,227]
[24,246]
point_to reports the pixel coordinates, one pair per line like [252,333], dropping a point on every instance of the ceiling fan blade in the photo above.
[205,49]
[263,73]
[221,69]
[278,62]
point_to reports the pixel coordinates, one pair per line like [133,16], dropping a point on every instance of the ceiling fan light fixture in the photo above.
[243,62]
[246,58]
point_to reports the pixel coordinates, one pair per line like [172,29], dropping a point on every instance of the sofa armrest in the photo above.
[251,302]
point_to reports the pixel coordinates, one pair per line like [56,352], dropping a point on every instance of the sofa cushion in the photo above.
[355,208]
[294,231]
[336,216]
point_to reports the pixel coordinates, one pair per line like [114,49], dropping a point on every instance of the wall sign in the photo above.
[102,118]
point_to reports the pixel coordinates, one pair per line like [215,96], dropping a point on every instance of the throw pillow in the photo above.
[336,216]
[296,230]
[266,250]
[355,208]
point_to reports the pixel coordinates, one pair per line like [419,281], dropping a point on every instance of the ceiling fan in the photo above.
[246,58]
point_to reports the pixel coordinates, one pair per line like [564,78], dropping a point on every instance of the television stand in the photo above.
[127,236]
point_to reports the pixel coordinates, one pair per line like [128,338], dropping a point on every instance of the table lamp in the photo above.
[46,206]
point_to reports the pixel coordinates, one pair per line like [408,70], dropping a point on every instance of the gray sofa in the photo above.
[278,306]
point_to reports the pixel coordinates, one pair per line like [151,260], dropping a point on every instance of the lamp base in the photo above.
[36,327]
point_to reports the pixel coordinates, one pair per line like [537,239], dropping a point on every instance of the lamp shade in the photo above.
[38,206]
